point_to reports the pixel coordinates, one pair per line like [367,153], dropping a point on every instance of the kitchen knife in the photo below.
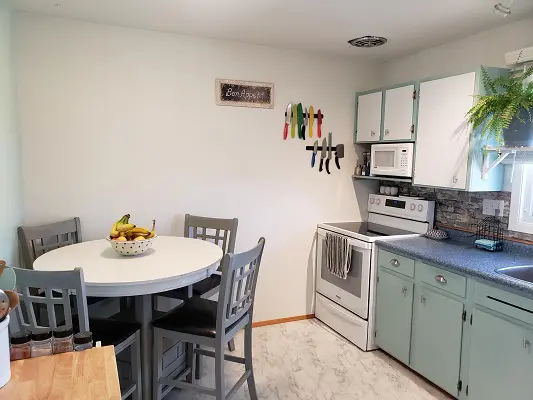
[315,150]
[311,120]
[339,153]
[323,154]
[294,119]
[319,124]
[300,120]
[305,122]
[330,136]
[288,115]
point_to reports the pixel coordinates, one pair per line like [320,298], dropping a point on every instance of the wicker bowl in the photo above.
[131,247]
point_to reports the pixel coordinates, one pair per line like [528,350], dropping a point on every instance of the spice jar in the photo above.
[62,342]
[83,341]
[41,343]
[20,345]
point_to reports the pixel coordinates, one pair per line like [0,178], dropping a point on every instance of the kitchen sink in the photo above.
[524,273]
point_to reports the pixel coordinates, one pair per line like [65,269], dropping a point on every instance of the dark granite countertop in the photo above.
[463,257]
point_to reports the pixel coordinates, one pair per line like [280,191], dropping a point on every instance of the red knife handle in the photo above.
[319,130]
[285,131]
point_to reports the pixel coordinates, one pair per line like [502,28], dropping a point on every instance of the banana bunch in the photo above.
[123,231]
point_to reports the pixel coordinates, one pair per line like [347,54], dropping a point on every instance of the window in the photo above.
[521,215]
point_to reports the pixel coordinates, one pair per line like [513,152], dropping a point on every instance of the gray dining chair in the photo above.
[203,322]
[58,289]
[223,233]
[37,240]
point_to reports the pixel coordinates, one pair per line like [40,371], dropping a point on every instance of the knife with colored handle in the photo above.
[323,154]
[294,119]
[305,122]
[311,120]
[315,150]
[330,136]
[319,124]
[288,115]
[339,153]
[300,120]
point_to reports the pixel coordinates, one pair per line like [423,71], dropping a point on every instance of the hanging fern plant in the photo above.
[506,97]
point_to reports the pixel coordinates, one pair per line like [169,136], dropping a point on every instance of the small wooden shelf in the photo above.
[383,178]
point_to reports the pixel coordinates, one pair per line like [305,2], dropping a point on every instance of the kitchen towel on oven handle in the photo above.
[338,255]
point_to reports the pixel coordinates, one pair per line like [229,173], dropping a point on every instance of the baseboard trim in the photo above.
[282,320]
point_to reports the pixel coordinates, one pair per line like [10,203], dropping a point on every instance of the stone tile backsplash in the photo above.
[461,210]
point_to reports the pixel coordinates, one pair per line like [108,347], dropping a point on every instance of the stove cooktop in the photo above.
[369,229]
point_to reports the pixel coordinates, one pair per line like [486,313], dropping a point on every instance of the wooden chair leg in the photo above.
[248,360]
[198,371]
[191,361]
[158,365]
[219,373]
[231,345]
[136,366]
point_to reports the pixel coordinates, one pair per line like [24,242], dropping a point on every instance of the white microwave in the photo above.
[392,159]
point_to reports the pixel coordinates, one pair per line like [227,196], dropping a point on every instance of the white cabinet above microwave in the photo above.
[386,115]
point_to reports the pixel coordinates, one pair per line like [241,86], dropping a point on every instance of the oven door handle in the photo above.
[343,314]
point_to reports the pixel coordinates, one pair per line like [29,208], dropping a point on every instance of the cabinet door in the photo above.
[443,136]
[501,359]
[437,335]
[398,118]
[393,315]
[369,117]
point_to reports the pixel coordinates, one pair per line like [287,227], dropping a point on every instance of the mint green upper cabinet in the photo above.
[436,339]
[398,119]
[368,119]
[393,315]
[501,359]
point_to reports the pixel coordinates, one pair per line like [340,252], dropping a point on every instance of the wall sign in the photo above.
[244,94]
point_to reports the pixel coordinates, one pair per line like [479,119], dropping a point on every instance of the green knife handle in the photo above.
[292,130]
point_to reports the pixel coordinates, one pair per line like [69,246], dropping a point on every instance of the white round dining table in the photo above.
[171,263]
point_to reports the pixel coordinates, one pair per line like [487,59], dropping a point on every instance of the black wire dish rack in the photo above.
[489,235]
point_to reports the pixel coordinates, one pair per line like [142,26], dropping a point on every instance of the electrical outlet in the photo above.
[490,207]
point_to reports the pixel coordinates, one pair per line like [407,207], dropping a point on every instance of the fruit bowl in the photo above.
[131,247]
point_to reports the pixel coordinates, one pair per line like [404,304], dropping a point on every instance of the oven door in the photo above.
[384,160]
[352,292]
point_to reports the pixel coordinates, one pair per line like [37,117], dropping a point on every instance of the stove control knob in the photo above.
[371,200]
[413,207]
[378,201]
[420,207]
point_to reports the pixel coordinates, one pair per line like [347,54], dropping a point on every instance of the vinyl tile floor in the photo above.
[307,360]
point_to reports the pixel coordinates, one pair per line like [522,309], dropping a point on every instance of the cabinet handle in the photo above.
[423,299]
[394,262]
[526,343]
[404,290]
[373,133]
[386,132]
[441,279]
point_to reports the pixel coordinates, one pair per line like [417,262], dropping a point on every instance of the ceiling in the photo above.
[312,25]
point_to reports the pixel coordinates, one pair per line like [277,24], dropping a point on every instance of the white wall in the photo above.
[485,48]
[116,120]
[10,204]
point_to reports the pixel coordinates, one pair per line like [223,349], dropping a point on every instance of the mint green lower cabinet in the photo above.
[393,315]
[436,339]
[501,359]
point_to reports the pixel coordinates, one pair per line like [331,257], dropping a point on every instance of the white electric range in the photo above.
[347,305]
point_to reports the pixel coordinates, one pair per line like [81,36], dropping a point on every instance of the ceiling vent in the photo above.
[368,41]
